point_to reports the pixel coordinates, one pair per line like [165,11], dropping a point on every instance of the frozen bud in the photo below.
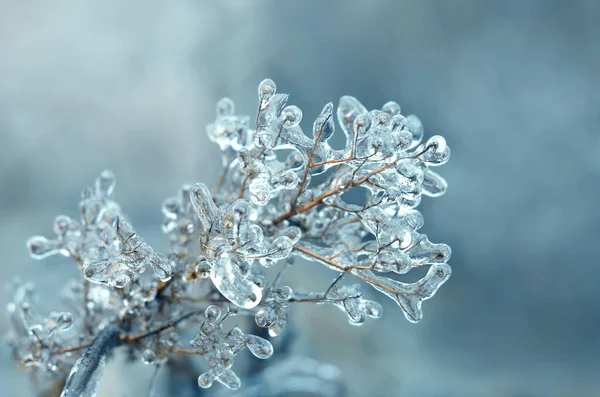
[265,317]
[260,347]
[291,116]
[64,224]
[148,356]
[212,313]
[391,108]
[283,246]
[63,320]
[371,308]
[260,191]
[373,218]
[435,151]
[225,107]
[382,119]
[283,293]
[206,380]
[398,122]
[203,204]
[266,89]
[40,247]
[105,184]
[362,123]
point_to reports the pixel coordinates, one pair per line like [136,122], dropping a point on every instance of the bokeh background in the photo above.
[513,85]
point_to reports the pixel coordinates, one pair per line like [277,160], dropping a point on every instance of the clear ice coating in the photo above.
[84,378]
[219,348]
[282,193]
[134,255]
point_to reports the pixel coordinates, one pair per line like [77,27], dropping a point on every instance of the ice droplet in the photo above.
[225,107]
[391,108]
[260,347]
[148,356]
[266,89]
[228,279]
[435,151]
[40,247]
[291,116]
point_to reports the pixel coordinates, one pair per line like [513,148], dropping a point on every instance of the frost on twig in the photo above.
[282,193]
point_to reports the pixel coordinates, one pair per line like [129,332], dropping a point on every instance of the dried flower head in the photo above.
[281,194]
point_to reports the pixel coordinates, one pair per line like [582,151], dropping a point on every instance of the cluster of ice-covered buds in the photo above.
[103,243]
[383,163]
[35,339]
[219,348]
[282,194]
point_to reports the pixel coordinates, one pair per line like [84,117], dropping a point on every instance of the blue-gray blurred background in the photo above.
[513,85]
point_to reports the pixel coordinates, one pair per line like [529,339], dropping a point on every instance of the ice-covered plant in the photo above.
[282,194]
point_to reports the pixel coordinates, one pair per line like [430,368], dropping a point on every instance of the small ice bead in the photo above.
[40,247]
[62,224]
[371,308]
[148,356]
[283,246]
[415,127]
[265,317]
[435,151]
[212,313]
[391,108]
[381,119]
[266,89]
[225,107]
[291,116]
[260,192]
[63,320]
[362,123]
[398,122]
[260,347]
[205,380]
[105,184]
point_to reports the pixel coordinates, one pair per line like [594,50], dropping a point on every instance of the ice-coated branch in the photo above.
[282,194]
[85,375]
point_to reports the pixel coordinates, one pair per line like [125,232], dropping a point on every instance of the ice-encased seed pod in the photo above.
[435,151]
[260,347]
[291,116]
[266,89]
[391,108]
[205,380]
[225,107]
[148,356]
[40,247]
[212,313]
